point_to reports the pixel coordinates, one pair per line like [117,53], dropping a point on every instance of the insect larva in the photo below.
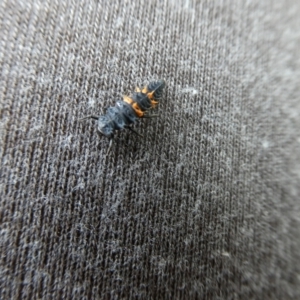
[128,111]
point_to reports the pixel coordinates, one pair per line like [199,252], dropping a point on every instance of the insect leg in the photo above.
[109,146]
[130,128]
[150,116]
[87,117]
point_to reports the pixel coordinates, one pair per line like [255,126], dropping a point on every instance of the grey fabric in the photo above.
[205,205]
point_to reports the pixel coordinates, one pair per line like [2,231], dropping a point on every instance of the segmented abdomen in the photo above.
[156,87]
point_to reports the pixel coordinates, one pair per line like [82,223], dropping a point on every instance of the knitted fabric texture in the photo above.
[205,205]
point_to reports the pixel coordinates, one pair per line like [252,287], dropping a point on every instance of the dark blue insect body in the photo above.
[128,111]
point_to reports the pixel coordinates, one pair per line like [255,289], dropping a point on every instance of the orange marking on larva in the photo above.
[145,90]
[137,110]
[153,103]
[134,105]
[138,90]
[127,100]
[151,95]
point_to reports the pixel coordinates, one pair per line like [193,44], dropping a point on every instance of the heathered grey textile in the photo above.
[205,206]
